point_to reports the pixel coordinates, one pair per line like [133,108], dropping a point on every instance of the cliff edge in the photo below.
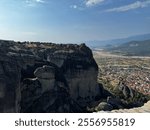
[47,77]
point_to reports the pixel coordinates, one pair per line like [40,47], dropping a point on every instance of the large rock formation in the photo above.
[46,77]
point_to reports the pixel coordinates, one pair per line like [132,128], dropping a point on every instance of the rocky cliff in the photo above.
[47,77]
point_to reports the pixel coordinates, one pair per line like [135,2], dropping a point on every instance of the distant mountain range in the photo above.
[133,48]
[115,42]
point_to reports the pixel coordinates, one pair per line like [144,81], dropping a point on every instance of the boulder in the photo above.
[104,106]
[127,91]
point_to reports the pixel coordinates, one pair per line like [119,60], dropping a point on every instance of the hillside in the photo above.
[133,48]
[115,42]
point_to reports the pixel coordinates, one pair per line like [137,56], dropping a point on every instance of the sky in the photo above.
[65,21]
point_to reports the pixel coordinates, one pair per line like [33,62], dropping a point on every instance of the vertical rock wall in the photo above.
[46,77]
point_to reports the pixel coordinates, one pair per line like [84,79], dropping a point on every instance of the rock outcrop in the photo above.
[104,106]
[127,91]
[144,109]
[47,77]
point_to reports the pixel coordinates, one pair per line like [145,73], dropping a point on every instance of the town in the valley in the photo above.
[134,72]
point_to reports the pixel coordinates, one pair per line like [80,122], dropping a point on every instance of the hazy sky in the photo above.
[73,20]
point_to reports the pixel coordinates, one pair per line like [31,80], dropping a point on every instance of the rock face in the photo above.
[127,91]
[9,84]
[46,77]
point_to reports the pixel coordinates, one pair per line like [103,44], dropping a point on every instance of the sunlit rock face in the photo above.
[46,77]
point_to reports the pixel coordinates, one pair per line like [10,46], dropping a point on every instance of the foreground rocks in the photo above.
[144,109]
[47,77]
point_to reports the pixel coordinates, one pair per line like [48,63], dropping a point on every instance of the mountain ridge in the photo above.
[113,42]
[132,48]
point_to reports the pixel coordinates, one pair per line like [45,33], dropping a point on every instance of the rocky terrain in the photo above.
[127,78]
[144,109]
[47,77]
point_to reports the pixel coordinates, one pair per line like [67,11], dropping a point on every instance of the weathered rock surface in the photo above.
[46,77]
[127,91]
[104,106]
[144,109]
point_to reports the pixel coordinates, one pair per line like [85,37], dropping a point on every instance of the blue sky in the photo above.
[73,20]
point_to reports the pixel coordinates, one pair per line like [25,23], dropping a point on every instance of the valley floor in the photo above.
[133,71]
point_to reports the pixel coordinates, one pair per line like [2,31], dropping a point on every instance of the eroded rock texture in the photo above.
[46,77]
